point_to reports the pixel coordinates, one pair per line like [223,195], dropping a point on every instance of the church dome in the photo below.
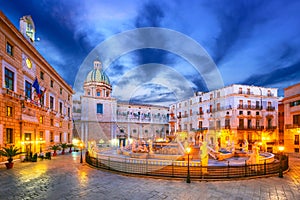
[97,74]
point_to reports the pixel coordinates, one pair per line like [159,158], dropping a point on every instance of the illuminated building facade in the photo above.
[236,113]
[291,103]
[35,102]
[100,117]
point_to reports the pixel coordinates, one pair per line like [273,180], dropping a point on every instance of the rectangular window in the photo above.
[28,136]
[296,120]
[28,89]
[9,79]
[241,123]
[200,124]
[257,124]
[51,83]
[68,112]
[295,103]
[51,102]
[9,111]
[41,135]
[249,123]
[218,106]
[9,49]
[41,119]
[200,111]
[60,90]
[240,90]
[257,105]
[269,123]
[296,142]
[98,94]
[51,137]
[296,150]
[248,90]
[227,123]
[60,107]
[218,124]
[42,99]
[9,136]
[99,108]
[51,122]
[241,103]
[60,124]
[42,75]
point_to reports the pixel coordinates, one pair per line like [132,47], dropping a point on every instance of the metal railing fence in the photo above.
[178,169]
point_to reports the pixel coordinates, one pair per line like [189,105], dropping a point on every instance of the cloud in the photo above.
[251,41]
[282,77]
[145,79]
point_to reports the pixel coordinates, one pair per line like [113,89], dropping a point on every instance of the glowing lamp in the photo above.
[281,148]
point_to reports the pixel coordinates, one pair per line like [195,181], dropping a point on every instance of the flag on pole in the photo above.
[36,86]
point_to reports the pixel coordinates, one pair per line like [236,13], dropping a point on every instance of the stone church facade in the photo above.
[101,118]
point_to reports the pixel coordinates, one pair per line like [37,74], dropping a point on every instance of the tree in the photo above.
[63,146]
[55,148]
[10,152]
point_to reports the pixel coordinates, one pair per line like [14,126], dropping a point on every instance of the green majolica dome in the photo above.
[97,74]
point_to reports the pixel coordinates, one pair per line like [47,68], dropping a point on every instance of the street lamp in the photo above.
[280,148]
[27,150]
[81,146]
[41,145]
[188,178]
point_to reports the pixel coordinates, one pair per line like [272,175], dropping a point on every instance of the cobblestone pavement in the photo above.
[64,177]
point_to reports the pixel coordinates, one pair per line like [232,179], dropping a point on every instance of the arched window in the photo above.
[98,93]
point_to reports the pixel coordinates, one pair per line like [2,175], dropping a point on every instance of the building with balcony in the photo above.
[100,117]
[235,113]
[35,101]
[291,103]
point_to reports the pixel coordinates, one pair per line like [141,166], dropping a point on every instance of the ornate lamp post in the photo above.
[81,147]
[41,139]
[281,148]
[27,150]
[188,178]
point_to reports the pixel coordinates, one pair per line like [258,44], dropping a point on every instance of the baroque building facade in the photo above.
[35,101]
[291,103]
[101,118]
[236,114]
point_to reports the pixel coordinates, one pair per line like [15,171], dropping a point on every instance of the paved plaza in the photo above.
[64,177]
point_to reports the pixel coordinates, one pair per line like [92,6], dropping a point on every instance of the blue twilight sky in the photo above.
[250,42]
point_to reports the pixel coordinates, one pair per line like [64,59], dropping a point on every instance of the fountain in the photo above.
[174,150]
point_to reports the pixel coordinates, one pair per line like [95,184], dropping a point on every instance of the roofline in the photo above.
[32,48]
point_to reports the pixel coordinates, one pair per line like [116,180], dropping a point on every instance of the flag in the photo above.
[36,86]
[42,92]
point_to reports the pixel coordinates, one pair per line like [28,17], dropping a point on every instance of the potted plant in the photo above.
[10,152]
[63,146]
[70,146]
[55,148]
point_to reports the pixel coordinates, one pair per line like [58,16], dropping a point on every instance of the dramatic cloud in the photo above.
[252,42]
